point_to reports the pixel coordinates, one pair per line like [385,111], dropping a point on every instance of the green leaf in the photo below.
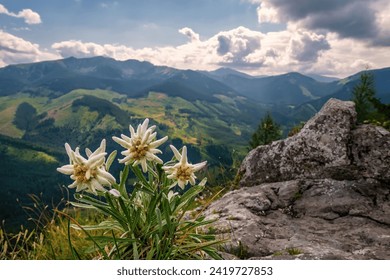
[135,248]
[110,160]
[72,249]
[138,173]
[184,201]
[82,205]
[122,184]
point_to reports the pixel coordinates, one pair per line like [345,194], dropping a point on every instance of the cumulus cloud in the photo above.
[77,48]
[194,37]
[235,46]
[29,16]
[15,50]
[307,46]
[267,13]
[293,49]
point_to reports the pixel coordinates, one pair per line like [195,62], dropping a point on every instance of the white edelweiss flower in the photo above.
[183,172]
[88,174]
[141,145]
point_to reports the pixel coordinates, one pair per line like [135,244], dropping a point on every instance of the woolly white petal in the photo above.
[199,166]
[145,125]
[88,174]
[152,157]
[152,136]
[192,180]
[181,184]
[126,159]
[152,128]
[81,187]
[132,132]
[144,166]
[157,143]
[155,151]
[95,185]
[103,145]
[101,149]
[73,185]
[145,138]
[70,153]
[103,181]
[66,169]
[121,142]
[79,159]
[92,161]
[183,159]
[175,152]
[106,175]
[126,138]
[88,152]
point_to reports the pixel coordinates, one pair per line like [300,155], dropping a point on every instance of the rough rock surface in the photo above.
[321,194]
[328,146]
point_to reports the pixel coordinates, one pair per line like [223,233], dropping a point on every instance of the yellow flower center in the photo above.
[183,173]
[80,172]
[138,150]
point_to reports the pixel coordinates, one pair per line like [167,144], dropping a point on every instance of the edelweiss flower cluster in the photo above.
[88,174]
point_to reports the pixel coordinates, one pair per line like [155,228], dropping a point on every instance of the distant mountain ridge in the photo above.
[136,78]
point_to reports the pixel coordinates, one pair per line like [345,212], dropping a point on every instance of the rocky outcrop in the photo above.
[328,146]
[321,194]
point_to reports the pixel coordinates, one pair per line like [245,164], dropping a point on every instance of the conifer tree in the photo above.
[266,132]
[368,107]
[363,94]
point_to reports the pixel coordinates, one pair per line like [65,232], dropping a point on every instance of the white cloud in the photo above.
[267,13]
[294,49]
[79,49]
[194,37]
[15,50]
[232,47]
[237,46]
[29,16]
[108,5]
[307,46]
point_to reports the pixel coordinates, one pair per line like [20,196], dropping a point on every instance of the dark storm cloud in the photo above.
[348,18]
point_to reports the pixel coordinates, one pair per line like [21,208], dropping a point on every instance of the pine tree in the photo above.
[363,95]
[266,132]
[368,107]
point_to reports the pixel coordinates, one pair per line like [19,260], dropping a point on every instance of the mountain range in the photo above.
[80,101]
[135,79]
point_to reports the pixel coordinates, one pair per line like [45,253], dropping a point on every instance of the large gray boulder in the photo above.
[321,194]
[328,146]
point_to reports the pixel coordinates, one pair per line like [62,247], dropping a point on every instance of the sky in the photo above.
[260,37]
